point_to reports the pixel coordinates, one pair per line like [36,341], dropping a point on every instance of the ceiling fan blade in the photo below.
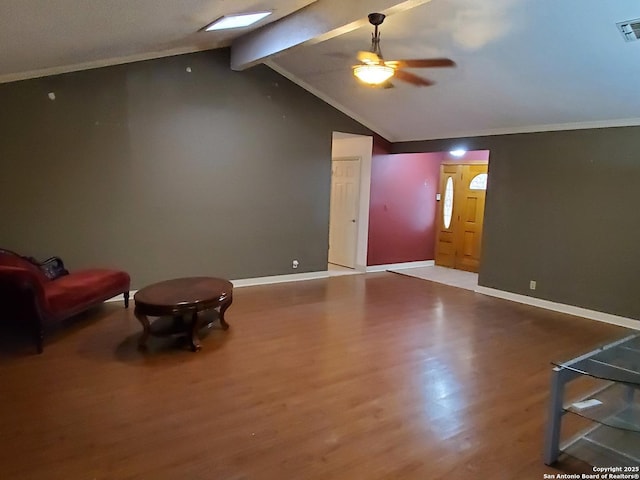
[424,63]
[412,79]
[368,57]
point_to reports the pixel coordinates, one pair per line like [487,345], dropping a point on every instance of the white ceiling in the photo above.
[523,65]
[45,36]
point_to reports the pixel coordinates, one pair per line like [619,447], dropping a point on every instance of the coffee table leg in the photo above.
[146,329]
[223,308]
[193,337]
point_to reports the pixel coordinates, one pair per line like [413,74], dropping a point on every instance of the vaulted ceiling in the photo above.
[522,65]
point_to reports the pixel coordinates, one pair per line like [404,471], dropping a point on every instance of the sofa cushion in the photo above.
[84,287]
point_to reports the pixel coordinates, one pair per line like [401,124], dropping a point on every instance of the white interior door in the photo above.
[343,221]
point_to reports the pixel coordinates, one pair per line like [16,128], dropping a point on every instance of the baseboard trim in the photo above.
[120,298]
[390,266]
[294,277]
[250,282]
[561,307]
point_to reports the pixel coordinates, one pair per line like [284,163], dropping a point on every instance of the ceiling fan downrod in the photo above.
[376,20]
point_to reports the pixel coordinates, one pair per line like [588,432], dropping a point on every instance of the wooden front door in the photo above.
[460,216]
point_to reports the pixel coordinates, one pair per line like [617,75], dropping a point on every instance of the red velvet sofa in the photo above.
[29,292]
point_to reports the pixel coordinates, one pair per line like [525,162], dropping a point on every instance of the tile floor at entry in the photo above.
[448,276]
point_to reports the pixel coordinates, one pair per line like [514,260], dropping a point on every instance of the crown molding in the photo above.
[78,67]
[553,127]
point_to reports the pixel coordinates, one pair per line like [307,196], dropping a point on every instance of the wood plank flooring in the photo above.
[375,376]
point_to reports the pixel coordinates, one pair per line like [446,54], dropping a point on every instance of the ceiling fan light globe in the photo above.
[373,74]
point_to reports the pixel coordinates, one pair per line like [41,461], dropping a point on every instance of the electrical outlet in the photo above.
[532,284]
[295,264]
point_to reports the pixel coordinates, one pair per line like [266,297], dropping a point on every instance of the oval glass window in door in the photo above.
[447,208]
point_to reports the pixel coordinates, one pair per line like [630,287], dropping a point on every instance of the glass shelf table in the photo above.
[612,409]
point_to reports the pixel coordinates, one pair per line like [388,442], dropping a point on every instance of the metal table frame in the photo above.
[596,364]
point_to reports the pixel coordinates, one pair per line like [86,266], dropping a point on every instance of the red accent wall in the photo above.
[402,211]
[380,146]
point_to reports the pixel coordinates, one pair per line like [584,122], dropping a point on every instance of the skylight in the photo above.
[236,21]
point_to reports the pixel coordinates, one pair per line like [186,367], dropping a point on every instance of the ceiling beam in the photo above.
[315,23]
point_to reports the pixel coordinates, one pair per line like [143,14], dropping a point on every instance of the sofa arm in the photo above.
[21,290]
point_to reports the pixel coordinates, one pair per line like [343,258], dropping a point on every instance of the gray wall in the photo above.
[562,209]
[165,173]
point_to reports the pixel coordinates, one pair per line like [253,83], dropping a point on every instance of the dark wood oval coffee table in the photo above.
[180,297]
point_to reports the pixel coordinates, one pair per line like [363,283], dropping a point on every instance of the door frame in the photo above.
[356,145]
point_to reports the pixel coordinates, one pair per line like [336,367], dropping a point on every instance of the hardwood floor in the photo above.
[376,376]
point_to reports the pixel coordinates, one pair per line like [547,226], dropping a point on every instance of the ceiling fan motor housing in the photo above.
[374,70]
[376,18]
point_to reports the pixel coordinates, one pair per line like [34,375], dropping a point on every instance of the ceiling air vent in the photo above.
[630,30]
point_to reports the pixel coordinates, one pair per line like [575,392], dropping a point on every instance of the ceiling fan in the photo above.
[375,71]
